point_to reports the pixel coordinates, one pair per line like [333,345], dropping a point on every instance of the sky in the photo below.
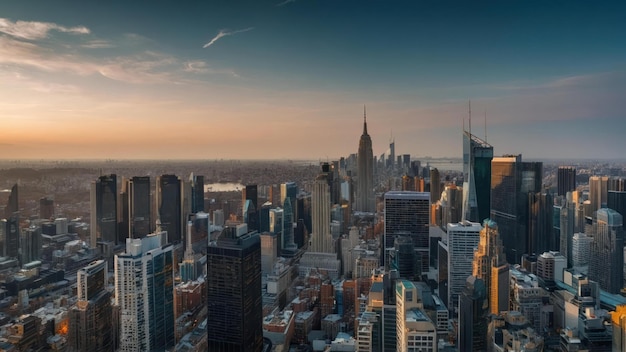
[289,79]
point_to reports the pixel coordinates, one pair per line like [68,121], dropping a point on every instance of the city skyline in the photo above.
[244,80]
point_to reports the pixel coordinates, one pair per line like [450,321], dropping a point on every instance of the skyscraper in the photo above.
[144,293]
[197,193]
[104,209]
[477,155]
[288,239]
[598,192]
[234,299]
[320,213]
[490,266]
[407,214]
[46,208]
[511,182]
[90,327]
[13,203]
[566,180]
[435,185]
[473,311]
[169,206]
[607,251]
[250,204]
[139,206]
[365,172]
[463,238]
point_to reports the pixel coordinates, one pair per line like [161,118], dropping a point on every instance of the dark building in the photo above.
[234,293]
[566,180]
[169,206]
[435,185]
[616,200]
[473,311]
[139,207]
[12,236]
[12,204]
[477,156]
[90,326]
[405,260]
[511,182]
[250,207]
[46,208]
[264,217]
[30,247]
[197,193]
[540,228]
[105,191]
[365,200]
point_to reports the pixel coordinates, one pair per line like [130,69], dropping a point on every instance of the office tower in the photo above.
[234,293]
[566,180]
[616,200]
[123,212]
[392,154]
[288,238]
[550,266]
[389,313]
[13,203]
[11,236]
[320,213]
[473,311]
[511,182]
[490,266]
[250,192]
[463,238]
[218,217]
[607,251]
[477,155]
[407,214]
[435,185]
[288,189]
[187,268]
[46,208]
[598,192]
[139,206]
[169,204]
[416,332]
[581,246]
[540,228]
[30,246]
[104,209]
[365,172]
[567,231]
[144,294]
[269,252]
[527,297]
[404,259]
[250,215]
[197,193]
[264,217]
[90,319]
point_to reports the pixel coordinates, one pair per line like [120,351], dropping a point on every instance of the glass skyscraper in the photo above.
[477,155]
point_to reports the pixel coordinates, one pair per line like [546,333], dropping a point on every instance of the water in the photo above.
[223,187]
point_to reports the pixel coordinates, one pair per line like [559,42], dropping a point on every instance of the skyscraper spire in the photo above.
[364,121]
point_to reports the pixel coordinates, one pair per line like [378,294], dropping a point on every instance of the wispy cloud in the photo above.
[224,33]
[98,44]
[284,3]
[32,30]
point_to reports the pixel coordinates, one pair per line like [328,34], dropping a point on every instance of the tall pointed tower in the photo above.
[365,175]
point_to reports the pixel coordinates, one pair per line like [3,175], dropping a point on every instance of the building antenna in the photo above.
[469,104]
[485,124]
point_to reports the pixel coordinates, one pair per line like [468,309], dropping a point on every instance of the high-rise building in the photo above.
[13,203]
[566,180]
[104,209]
[234,293]
[288,189]
[197,193]
[365,172]
[616,200]
[30,246]
[473,311]
[139,206]
[11,227]
[416,332]
[320,213]
[169,204]
[598,193]
[567,231]
[477,155]
[407,214]
[435,185]
[288,238]
[511,182]
[607,251]
[540,227]
[90,327]
[144,294]
[46,208]
[463,238]
[490,266]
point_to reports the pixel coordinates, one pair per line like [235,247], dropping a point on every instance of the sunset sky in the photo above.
[288,79]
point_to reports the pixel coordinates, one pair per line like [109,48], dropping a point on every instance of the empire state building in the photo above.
[365,172]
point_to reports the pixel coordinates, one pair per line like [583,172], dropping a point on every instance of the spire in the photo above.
[364,121]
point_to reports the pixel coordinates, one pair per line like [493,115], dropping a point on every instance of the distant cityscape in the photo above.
[382,252]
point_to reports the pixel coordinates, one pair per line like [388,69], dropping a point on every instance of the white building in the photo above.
[415,331]
[144,293]
[581,243]
[463,238]
[550,266]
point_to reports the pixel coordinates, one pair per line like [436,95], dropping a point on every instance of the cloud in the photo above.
[32,30]
[284,3]
[196,66]
[223,33]
[98,44]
